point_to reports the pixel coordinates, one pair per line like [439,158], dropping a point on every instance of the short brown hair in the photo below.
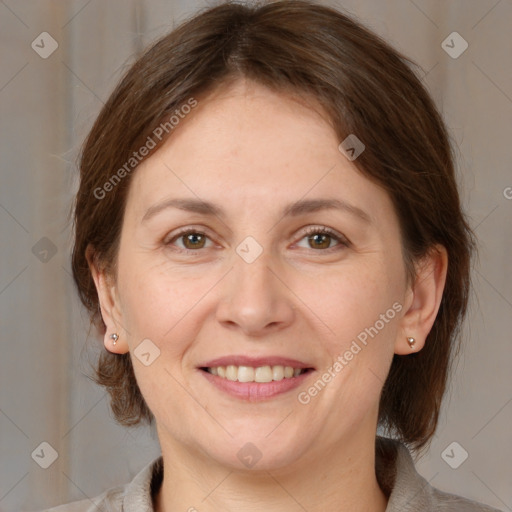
[367,88]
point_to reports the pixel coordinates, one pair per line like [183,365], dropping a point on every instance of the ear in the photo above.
[423,298]
[109,305]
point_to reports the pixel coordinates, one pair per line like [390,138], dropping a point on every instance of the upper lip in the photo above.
[255,362]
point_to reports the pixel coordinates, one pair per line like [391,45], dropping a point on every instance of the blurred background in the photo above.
[59,62]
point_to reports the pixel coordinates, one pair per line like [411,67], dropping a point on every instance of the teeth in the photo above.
[245,374]
[260,374]
[277,372]
[263,374]
[231,372]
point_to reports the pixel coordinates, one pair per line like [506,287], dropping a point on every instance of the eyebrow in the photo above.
[295,209]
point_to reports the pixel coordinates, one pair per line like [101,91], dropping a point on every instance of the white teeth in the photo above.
[277,372]
[245,374]
[231,372]
[288,372]
[259,374]
[263,374]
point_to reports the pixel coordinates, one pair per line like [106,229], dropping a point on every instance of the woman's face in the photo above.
[255,284]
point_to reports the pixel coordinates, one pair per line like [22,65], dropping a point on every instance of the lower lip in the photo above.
[255,391]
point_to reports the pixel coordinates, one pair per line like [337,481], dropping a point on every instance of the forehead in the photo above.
[247,141]
[245,117]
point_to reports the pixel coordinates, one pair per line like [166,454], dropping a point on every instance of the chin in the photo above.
[256,452]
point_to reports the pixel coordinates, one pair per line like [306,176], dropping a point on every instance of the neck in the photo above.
[340,480]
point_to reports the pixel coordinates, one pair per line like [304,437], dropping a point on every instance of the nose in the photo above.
[256,299]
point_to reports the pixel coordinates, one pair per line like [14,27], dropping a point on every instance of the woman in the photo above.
[270,240]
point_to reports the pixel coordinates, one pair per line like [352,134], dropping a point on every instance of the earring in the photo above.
[114,337]
[411,342]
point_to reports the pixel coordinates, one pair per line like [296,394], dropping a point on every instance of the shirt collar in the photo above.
[139,492]
[396,473]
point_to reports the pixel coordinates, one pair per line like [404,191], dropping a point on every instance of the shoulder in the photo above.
[408,490]
[111,501]
[447,502]
[136,495]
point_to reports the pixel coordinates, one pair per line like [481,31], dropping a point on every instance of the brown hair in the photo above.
[368,89]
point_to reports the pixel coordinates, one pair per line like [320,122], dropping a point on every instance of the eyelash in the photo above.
[312,230]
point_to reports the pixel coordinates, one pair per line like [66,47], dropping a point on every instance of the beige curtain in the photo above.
[59,61]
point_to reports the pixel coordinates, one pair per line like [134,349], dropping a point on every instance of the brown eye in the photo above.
[189,240]
[322,238]
[319,241]
[193,240]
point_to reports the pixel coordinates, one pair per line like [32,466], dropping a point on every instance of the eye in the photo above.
[191,239]
[320,237]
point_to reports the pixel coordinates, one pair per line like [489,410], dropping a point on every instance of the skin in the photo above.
[253,151]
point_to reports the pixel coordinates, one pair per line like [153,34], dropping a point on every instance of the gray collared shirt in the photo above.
[407,490]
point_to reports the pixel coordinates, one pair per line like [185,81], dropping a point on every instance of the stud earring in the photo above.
[411,342]
[114,337]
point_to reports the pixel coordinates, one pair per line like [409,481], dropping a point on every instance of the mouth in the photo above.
[255,379]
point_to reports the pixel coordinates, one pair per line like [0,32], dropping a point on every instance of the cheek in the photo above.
[362,309]
[160,303]
[354,300]
[162,306]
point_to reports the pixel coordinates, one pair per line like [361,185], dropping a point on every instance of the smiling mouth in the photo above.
[259,374]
